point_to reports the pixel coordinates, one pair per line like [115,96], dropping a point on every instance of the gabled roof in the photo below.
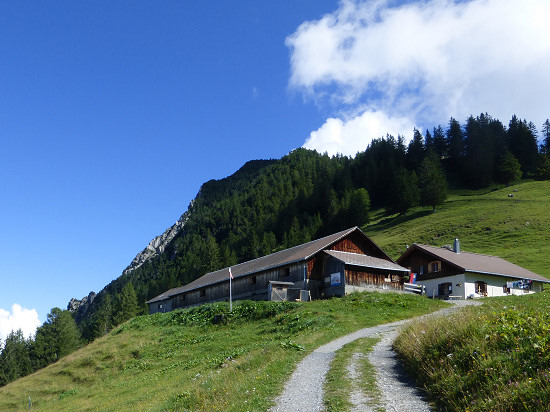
[284,257]
[475,262]
[357,259]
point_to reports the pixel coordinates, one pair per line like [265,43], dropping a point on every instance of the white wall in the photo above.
[432,285]
[464,285]
[495,285]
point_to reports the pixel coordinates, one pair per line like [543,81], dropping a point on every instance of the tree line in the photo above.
[57,337]
[270,205]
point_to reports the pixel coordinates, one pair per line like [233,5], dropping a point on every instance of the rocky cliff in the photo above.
[81,306]
[158,244]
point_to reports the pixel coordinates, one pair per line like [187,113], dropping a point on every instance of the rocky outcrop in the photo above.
[158,244]
[81,306]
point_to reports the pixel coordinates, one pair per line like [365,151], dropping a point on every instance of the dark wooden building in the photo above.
[331,266]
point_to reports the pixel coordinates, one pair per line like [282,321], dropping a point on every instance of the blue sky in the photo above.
[114,113]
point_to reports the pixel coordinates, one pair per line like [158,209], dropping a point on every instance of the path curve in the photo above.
[304,390]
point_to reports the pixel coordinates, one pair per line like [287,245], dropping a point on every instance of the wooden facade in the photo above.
[306,270]
[253,287]
[356,276]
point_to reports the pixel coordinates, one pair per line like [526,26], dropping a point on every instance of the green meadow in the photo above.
[204,358]
[515,228]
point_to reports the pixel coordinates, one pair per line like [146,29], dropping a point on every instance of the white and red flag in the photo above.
[230,274]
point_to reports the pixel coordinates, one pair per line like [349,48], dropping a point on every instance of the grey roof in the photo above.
[284,257]
[475,262]
[358,259]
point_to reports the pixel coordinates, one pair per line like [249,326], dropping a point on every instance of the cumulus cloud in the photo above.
[19,318]
[421,62]
[352,136]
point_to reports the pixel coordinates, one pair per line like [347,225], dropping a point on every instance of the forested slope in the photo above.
[274,204]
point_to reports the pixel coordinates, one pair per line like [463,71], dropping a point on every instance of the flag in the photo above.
[230,274]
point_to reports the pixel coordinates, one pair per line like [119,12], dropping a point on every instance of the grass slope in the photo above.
[203,358]
[495,357]
[514,228]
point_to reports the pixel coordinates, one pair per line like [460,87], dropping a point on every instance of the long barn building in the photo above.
[331,266]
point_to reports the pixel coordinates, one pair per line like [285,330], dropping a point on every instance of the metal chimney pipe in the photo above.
[456,246]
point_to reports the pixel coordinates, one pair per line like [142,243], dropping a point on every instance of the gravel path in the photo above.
[304,391]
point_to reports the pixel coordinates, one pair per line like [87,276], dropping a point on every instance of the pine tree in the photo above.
[404,192]
[456,147]
[543,167]
[358,209]
[439,142]
[523,144]
[509,169]
[126,305]
[432,183]
[57,337]
[14,359]
[416,150]
[545,147]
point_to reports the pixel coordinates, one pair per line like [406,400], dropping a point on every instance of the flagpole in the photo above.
[230,292]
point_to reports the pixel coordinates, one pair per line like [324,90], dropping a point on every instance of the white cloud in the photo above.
[350,137]
[427,60]
[19,318]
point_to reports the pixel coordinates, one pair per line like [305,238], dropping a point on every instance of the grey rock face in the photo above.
[158,244]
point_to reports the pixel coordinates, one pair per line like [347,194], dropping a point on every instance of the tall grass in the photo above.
[495,357]
[202,359]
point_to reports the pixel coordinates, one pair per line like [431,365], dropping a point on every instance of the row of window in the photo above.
[447,288]
[480,288]
[433,267]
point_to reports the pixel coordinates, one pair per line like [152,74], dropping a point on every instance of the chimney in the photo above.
[456,246]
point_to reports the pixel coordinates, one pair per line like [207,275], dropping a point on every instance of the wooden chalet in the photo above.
[330,266]
[448,272]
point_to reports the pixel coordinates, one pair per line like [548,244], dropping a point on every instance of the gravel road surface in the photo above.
[304,390]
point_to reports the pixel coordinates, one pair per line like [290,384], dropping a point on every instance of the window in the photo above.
[421,270]
[481,288]
[252,280]
[160,306]
[434,267]
[286,272]
[506,289]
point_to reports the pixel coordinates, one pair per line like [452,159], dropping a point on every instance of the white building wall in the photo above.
[463,285]
[495,285]
[432,285]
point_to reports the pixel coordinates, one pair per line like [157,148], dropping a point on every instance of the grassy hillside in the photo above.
[514,228]
[202,359]
[490,358]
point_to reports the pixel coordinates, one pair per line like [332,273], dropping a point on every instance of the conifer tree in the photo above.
[404,192]
[545,147]
[126,305]
[14,359]
[57,337]
[509,169]
[432,182]
[523,144]
[416,150]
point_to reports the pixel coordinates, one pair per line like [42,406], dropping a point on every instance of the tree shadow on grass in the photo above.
[395,220]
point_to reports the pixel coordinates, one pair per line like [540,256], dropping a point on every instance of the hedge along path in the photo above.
[304,390]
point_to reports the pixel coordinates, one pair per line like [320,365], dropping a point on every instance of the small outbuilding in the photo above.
[331,266]
[448,272]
